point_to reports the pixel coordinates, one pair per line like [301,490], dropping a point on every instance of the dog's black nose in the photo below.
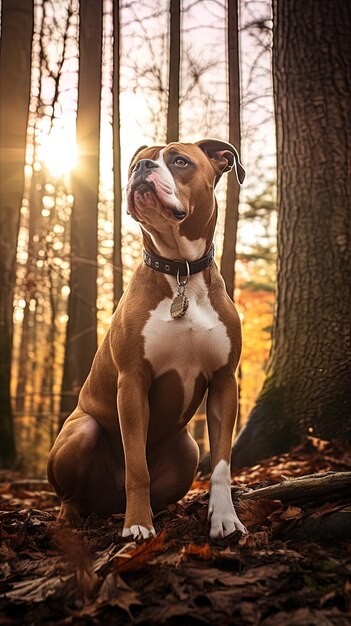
[144,165]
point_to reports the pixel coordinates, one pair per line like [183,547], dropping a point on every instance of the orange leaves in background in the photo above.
[254,298]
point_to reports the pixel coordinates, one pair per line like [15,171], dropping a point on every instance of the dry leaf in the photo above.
[319,444]
[140,556]
[328,507]
[115,592]
[292,512]
[199,485]
[254,512]
[40,589]
[202,552]
[255,540]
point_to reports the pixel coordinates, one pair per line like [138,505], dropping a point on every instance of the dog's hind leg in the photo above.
[83,472]
[69,463]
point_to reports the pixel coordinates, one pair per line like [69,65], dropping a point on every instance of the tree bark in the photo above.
[117,183]
[81,340]
[232,200]
[174,70]
[307,387]
[15,72]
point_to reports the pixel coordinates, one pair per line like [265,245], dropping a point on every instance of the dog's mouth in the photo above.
[137,187]
[141,188]
[178,214]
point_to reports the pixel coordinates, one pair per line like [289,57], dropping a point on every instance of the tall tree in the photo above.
[25,363]
[15,71]
[117,183]
[174,73]
[81,341]
[232,199]
[307,388]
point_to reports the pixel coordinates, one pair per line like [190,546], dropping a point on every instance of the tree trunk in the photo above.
[174,69]
[232,199]
[81,341]
[117,183]
[24,365]
[307,387]
[15,72]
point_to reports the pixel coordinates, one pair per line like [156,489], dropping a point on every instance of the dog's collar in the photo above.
[180,268]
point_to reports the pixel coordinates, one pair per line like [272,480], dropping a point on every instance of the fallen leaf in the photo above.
[6,552]
[292,512]
[255,540]
[319,444]
[5,570]
[255,512]
[301,617]
[200,485]
[103,558]
[202,552]
[140,556]
[164,612]
[178,586]
[114,591]
[253,575]
[263,572]
[86,582]
[203,577]
[40,589]
[328,507]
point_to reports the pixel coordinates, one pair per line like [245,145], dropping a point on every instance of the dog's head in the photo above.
[171,188]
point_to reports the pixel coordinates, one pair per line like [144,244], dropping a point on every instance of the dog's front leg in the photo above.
[222,404]
[133,410]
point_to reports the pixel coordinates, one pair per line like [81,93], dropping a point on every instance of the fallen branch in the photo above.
[321,520]
[325,486]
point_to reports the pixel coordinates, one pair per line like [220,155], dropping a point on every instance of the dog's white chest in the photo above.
[198,343]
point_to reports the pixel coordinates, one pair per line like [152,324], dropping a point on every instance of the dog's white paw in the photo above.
[139,532]
[224,519]
[224,526]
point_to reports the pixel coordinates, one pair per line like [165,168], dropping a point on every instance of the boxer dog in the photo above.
[175,335]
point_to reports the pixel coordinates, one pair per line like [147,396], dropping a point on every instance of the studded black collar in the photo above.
[185,268]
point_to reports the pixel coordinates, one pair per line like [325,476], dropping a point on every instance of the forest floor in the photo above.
[290,569]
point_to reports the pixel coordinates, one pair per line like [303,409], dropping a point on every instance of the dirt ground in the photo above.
[292,568]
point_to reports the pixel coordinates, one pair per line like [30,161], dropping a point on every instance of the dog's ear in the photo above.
[223,157]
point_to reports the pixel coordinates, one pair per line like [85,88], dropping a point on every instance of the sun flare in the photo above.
[59,152]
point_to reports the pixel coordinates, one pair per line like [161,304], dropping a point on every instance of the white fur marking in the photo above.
[196,343]
[164,183]
[224,519]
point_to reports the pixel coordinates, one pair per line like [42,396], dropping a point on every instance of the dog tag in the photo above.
[179,306]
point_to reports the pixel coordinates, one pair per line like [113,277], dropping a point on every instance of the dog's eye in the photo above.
[181,162]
